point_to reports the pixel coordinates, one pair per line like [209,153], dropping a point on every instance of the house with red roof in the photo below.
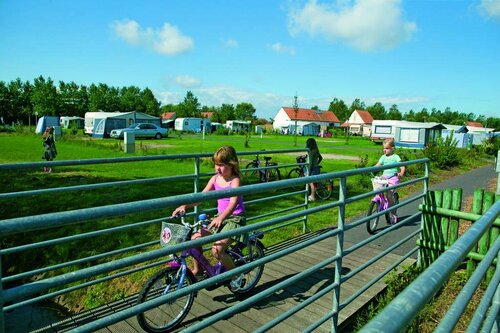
[307,121]
[359,123]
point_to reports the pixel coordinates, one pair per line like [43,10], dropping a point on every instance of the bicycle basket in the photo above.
[379,183]
[172,234]
[301,159]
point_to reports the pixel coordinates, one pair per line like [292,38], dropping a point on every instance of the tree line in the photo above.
[21,101]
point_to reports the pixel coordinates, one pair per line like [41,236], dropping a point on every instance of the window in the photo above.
[409,135]
[383,129]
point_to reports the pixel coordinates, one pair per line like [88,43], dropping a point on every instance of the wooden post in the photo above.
[445,220]
[484,242]
[456,204]
[430,199]
[477,207]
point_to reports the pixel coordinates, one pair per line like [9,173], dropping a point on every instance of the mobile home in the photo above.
[383,129]
[193,124]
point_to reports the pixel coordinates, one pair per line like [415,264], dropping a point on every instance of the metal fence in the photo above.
[56,279]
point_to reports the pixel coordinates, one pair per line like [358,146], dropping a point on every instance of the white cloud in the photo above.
[187,81]
[168,40]
[230,43]
[365,25]
[279,48]
[490,8]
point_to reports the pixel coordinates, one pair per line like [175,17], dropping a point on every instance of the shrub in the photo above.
[443,153]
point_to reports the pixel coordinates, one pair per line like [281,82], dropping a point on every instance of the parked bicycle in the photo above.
[177,275]
[254,172]
[380,203]
[323,189]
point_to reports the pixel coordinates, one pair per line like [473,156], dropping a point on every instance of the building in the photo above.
[359,123]
[307,121]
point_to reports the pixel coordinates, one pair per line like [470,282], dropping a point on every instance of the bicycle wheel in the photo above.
[272,174]
[252,175]
[394,211]
[242,256]
[169,315]
[295,173]
[371,224]
[324,189]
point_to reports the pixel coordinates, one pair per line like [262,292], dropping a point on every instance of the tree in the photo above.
[44,97]
[357,104]
[189,107]
[104,98]
[149,102]
[73,98]
[227,112]
[377,111]
[244,111]
[394,113]
[339,108]
[130,99]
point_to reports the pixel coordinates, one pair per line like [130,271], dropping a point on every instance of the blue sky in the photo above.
[416,54]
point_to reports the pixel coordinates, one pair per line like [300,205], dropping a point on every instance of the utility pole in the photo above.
[296,112]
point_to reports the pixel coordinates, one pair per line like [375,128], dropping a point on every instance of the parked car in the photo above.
[143,130]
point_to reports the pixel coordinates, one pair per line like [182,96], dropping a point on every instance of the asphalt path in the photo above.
[469,181]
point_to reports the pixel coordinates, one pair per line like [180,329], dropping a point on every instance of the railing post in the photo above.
[340,250]
[196,180]
[2,319]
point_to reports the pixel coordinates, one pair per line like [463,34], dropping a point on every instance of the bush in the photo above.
[444,153]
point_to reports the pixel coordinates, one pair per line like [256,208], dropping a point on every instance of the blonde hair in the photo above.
[227,155]
[389,143]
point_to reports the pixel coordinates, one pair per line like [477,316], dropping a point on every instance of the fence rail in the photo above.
[77,273]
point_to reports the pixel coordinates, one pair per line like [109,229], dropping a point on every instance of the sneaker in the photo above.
[394,219]
[311,198]
[236,283]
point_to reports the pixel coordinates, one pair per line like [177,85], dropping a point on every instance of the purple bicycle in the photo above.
[380,203]
[177,275]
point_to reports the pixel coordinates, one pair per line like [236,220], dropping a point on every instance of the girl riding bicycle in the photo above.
[391,174]
[314,159]
[230,211]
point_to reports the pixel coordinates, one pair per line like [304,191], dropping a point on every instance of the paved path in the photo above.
[469,181]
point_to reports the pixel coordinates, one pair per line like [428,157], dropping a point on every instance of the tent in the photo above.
[100,124]
[67,122]
[45,122]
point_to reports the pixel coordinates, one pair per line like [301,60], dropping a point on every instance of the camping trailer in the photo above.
[193,124]
[67,122]
[383,129]
[100,124]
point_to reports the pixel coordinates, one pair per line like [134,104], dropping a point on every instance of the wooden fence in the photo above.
[442,218]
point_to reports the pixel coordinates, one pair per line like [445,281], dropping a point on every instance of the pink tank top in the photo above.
[223,203]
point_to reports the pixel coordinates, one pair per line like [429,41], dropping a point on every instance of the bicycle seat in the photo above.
[268,158]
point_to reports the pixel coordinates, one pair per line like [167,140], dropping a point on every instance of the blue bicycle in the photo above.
[177,275]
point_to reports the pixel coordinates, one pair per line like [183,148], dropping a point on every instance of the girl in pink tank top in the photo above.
[230,211]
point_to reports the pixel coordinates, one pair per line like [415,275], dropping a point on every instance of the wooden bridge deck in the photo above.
[210,302]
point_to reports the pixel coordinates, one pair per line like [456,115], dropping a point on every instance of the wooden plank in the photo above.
[208,303]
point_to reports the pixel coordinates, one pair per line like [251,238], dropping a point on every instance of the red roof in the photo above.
[474,124]
[311,115]
[365,115]
[207,115]
[168,115]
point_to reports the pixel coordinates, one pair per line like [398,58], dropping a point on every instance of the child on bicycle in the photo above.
[315,159]
[391,174]
[230,211]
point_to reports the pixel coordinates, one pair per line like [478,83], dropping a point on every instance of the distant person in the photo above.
[49,147]
[391,174]
[230,211]
[315,159]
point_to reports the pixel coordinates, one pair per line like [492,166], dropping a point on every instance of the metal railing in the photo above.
[69,276]
[404,308]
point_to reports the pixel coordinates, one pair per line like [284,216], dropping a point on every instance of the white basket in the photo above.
[172,234]
[379,183]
